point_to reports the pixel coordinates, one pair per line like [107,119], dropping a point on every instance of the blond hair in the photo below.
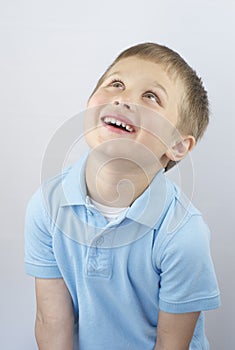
[193,110]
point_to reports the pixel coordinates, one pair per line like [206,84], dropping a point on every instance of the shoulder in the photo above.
[183,226]
[52,189]
[54,185]
[49,193]
[181,209]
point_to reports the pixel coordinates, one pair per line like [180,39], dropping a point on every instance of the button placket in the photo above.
[99,260]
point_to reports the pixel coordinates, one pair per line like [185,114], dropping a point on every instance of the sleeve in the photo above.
[187,278]
[39,256]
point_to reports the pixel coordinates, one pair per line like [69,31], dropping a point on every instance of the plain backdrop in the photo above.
[52,53]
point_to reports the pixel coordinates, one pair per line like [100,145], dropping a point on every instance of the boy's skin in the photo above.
[139,86]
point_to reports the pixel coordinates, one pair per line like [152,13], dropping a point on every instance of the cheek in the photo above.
[158,128]
[152,142]
[97,99]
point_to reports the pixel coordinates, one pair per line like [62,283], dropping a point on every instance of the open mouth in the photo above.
[116,123]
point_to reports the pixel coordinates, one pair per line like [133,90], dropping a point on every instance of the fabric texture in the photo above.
[156,255]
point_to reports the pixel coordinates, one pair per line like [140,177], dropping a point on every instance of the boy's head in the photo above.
[192,107]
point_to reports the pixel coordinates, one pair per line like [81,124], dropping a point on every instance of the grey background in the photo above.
[52,53]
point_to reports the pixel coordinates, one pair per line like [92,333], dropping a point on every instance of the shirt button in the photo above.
[99,241]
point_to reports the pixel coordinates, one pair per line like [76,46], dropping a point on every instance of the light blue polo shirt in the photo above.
[120,273]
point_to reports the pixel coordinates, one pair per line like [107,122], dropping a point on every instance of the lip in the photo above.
[121,118]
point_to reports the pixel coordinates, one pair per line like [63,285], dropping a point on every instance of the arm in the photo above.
[55,317]
[175,331]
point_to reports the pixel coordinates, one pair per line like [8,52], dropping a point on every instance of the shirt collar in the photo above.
[151,206]
[147,209]
[74,185]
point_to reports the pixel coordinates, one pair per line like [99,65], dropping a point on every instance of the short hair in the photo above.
[193,111]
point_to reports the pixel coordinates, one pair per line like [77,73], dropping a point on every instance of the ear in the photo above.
[181,148]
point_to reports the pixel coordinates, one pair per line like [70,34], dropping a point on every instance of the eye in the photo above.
[152,96]
[116,83]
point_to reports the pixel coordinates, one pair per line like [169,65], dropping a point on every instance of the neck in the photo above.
[116,182]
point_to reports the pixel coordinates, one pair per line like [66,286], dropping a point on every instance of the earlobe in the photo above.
[181,148]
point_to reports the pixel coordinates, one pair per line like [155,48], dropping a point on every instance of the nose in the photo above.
[126,105]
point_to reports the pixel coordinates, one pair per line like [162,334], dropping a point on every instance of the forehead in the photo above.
[135,66]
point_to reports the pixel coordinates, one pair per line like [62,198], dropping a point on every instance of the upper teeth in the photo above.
[118,123]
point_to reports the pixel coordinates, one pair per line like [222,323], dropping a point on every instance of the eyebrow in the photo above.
[114,73]
[154,83]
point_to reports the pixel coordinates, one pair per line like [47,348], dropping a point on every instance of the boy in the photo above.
[121,257]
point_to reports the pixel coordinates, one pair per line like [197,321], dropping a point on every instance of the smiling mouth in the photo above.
[116,123]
